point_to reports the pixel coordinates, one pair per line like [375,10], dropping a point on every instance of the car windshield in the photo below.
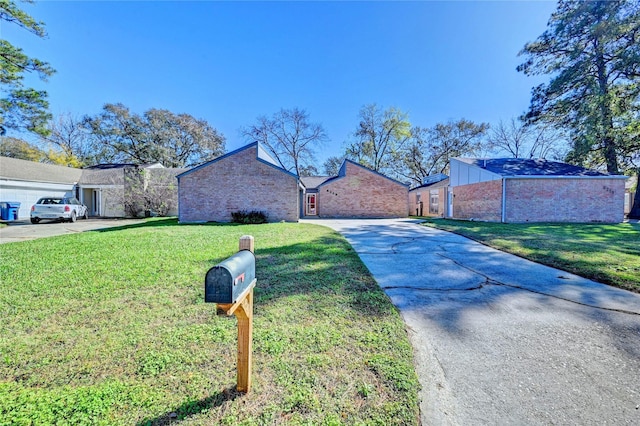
[50,201]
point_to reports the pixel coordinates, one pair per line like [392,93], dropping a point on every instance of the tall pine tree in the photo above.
[21,108]
[591,51]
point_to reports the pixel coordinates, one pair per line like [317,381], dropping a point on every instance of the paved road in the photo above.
[24,230]
[501,340]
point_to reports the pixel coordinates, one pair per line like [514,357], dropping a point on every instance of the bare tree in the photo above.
[380,136]
[309,170]
[289,136]
[71,142]
[522,140]
[332,165]
[429,149]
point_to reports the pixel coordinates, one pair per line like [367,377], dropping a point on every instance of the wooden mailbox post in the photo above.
[242,307]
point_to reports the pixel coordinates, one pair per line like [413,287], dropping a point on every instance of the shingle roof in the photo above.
[12,168]
[529,167]
[113,176]
[312,182]
[433,185]
[343,171]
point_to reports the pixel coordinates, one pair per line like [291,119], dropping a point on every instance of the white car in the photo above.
[58,208]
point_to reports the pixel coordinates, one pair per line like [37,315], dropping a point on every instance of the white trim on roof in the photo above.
[564,177]
[262,156]
[342,172]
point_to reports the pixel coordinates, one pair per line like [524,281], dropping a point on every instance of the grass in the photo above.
[606,253]
[111,328]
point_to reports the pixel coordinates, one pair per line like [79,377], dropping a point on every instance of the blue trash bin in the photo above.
[13,208]
[4,211]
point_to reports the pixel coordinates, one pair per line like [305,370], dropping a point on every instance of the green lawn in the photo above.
[605,253]
[111,328]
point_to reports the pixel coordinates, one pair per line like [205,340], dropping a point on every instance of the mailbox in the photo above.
[226,281]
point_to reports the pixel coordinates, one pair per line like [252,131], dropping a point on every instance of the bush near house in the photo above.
[603,252]
[249,218]
[110,327]
[150,192]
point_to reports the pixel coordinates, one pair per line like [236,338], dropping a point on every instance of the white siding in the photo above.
[464,174]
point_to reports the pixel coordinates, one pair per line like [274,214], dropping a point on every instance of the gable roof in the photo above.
[433,180]
[530,167]
[263,156]
[113,176]
[312,182]
[434,184]
[343,172]
[15,169]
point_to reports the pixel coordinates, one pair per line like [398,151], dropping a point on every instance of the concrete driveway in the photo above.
[499,339]
[25,230]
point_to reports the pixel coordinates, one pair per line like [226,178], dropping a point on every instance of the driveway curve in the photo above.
[499,339]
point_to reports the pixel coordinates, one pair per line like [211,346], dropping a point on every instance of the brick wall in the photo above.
[414,207]
[481,201]
[442,202]
[238,182]
[362,193]
[425,197]
[565,200]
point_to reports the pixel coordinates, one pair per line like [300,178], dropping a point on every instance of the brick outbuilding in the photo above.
[524,190]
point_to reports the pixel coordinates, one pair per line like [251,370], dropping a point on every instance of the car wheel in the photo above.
[73,217]
[86,215]
[35,220]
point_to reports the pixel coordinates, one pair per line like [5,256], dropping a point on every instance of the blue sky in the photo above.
[229,62]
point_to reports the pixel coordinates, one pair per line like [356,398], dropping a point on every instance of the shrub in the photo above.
[251,217]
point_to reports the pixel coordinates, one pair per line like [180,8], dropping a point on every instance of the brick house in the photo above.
[250,179]
[430,198]
[244,179]
[523,190]
[357,191]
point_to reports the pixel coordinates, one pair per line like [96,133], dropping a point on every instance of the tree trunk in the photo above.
[635,209]
[606,115]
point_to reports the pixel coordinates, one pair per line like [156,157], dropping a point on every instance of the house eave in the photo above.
[258,147]
[12,179]
[564,177]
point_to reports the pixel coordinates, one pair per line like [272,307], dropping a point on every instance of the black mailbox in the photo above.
[230,278]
